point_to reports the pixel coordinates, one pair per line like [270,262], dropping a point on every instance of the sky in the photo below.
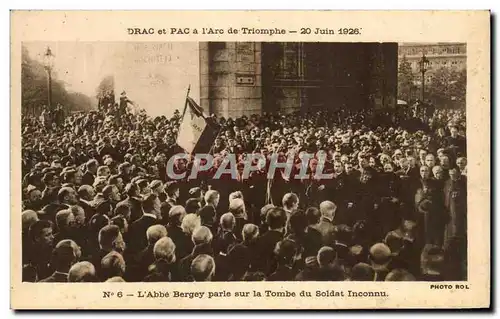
[155,75]
[81,65]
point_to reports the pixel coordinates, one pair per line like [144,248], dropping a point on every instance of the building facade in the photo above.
[440,55]
[244,78]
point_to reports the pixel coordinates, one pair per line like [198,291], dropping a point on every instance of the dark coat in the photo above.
[56,277]
[265,247]
[185,263]
[183,243]
[137,268]
[135,205]
[96,259]
[161,271]
[282,273]
[88,178]
[137,233]
[455,201]
[327,230]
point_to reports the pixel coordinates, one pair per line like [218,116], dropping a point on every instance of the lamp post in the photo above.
[424,66]
[48,61]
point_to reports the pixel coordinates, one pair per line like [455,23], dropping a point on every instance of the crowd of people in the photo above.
[99,206]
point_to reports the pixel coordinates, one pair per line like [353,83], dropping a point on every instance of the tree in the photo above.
[405,80]
[34,89]
[458,87]
[448,87]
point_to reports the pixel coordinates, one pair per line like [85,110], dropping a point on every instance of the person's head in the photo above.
[454,174]
[237,208]
[276,219]
[34,196]
[156,187]
[249,232]
[235,195]
[192,206]
[92,166]
[348,167]
[111,193]
[68,176]
[86,192]
[263,212]
[227,221]
[422,154]
[172,189]
[394,241]
[326,256]
[400,275]
[366,176]
[78,214]
[28,218]
[363,162]
[154,233]
[412,162]
[290,202]
[430,160]
[115,279]
[404,163]
[117,181]
[212,197]
[41,233]
[444,162]
[82,271]
[438,172]
[176,215]
[124,168]
[328,210]
[297,222]
[103,171]
[362,272]
[425,172]
[148,205]
[388,167]
[110,238]
[112,265]
[432,260]
[461,163]
[453,130]
[338,167]
[380,255]
[49,179]
[99,183]
[164,249]
[123,209]
[121,222]
[203,268]
[65,219]
[132,190]
[67,195]
[202,235]
[286,252]
[65,254]
[313,215]
[189,223]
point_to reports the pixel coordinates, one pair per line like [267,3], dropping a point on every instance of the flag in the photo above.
[197,133]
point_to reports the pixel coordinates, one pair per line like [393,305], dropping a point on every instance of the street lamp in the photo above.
[424,66]
[48,61]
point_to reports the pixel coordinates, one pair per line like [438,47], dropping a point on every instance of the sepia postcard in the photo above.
[250,160]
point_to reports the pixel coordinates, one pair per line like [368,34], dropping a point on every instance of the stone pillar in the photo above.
[232,86]
[383,79]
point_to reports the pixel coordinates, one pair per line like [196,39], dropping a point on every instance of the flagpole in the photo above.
[186,103]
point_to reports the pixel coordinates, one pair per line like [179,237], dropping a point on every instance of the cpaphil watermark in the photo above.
[244,166]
